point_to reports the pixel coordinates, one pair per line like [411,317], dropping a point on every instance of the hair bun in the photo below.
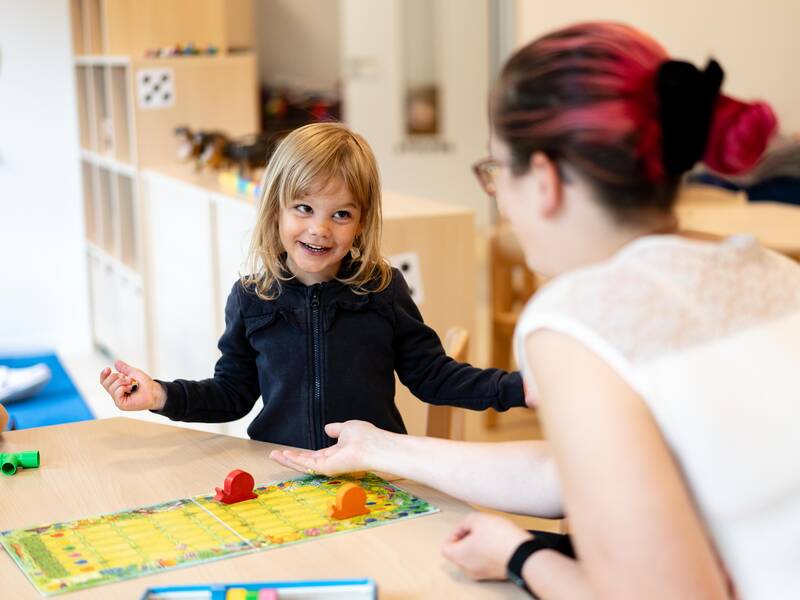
[739,135]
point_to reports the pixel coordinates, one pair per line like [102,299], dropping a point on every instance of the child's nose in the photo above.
[320,228]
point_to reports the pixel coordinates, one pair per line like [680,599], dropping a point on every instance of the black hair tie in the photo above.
[686,107]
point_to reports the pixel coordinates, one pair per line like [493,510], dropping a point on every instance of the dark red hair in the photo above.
[587,94]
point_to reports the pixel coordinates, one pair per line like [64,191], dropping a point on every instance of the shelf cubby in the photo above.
[121,112]
[105,210]
[81,88]
[93,33]
[77,20]
[89,210]
[103,127]
[127,222]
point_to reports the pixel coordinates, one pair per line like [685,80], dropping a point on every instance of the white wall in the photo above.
[757,43]
[297,41]
[374,92]
[43,286]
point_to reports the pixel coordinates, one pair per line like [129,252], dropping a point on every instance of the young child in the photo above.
[322,322]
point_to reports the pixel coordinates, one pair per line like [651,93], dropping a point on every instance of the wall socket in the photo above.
[408,264]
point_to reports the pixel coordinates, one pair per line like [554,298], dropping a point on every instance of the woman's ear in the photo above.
[547,182]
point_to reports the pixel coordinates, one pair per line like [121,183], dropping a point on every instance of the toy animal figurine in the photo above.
[252,151]
[188,149]
[212,149]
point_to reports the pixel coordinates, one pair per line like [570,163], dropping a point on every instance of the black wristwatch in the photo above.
[517,560]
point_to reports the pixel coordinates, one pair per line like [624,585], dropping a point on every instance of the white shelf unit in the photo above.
[118,137]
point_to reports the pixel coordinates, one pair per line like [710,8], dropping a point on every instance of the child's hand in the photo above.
[357,446]
[132,389]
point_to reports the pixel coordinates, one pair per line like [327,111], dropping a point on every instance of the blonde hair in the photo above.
[304,162]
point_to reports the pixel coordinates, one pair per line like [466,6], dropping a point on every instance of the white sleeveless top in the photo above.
[709,335]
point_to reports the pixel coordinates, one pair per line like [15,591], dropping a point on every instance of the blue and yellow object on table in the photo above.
[350,589]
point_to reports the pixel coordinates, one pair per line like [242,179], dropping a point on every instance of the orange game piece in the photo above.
[351,501]
[238,487]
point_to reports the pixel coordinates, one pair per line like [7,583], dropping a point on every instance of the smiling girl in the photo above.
[322,322]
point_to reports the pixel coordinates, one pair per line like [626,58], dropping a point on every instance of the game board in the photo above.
[75,555]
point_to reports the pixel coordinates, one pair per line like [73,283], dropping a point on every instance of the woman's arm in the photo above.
[513,476]
[634,524]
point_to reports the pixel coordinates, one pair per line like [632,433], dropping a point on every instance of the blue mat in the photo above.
[57,402]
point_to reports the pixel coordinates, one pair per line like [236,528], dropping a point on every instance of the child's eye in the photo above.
[303,208]
[342,215]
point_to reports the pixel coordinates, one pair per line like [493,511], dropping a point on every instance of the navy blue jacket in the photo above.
[319,354]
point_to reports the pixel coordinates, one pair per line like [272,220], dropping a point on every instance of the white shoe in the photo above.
[17,384]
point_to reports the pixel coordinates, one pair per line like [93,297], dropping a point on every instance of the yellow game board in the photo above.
[75,555]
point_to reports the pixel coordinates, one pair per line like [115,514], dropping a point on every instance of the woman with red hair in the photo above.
[665,365]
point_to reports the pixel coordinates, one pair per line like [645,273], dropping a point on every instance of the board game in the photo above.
[75,555]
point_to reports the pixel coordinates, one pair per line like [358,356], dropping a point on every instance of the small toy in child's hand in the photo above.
[134,386]
[351,501]
[238,487]
[11,461]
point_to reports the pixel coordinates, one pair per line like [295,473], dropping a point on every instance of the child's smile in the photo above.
[317,231]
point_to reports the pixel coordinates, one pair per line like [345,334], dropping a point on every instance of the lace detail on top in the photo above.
[663,294]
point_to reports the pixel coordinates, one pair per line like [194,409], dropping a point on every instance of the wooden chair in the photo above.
[694,194]
[447,421]
[511,284]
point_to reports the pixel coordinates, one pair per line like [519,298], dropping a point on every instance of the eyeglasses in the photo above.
[486,171]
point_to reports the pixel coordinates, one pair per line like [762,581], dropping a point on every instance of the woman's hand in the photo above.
[132,389]
[357,448]
[482,544]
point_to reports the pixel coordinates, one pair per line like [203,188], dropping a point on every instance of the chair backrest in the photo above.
[691,194]
[512,284]
[447,421]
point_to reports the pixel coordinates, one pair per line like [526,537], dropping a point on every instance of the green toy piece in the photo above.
[11,461]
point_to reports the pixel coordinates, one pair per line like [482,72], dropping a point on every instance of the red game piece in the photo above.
[351,501]
[238,487]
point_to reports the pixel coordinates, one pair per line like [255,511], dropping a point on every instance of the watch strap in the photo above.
[518,558]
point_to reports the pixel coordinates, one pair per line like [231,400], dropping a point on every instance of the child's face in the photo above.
[317,231]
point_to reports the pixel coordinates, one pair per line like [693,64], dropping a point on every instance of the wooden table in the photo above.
[775,225]
[103,466]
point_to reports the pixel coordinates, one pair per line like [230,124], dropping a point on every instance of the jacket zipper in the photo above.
[316,402]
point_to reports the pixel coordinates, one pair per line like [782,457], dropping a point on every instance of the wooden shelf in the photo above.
[89,209]
[121,112]
[106,212]
[81,88]
[102,60]
[103,135]
[108,162]
[128,238]
[121,130]
[132,27]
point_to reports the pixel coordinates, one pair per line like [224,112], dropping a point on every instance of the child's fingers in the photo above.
[128,370]
[110,380]
[103,374]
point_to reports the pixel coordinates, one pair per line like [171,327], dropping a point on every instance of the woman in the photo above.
[665,366]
